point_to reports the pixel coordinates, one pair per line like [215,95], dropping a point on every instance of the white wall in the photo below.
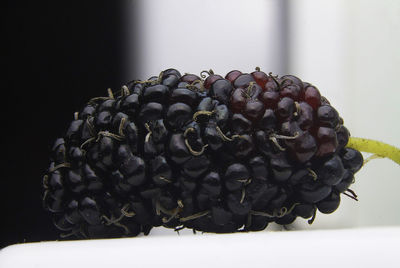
[196,35]
[351,51]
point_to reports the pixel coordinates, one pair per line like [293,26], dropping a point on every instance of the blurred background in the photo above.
[58,54]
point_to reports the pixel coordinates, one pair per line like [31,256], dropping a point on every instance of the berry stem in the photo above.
[310,221]
[207,113]
[62,165]
[204,74]
[121,127]
[376,147]
[125,91]
[125,211]
[193,87]
[110,93]
[193,152]
[226,138]
[195,216]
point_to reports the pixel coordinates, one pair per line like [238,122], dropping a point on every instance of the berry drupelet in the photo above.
[204,152]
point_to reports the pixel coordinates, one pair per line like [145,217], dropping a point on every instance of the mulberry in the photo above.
[204,152]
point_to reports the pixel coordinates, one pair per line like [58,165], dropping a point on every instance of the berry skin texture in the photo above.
[212,153]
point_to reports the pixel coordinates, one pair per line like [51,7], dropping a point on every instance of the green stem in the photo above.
[376,147]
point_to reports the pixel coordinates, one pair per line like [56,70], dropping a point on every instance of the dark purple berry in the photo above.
[221,90]
[352,159]
[236,175]
[329,204]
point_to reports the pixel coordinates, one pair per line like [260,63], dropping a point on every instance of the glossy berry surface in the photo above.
[212,153]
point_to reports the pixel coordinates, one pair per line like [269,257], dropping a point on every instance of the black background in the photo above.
[56,56]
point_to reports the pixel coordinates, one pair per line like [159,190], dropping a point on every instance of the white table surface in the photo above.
[359,247]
